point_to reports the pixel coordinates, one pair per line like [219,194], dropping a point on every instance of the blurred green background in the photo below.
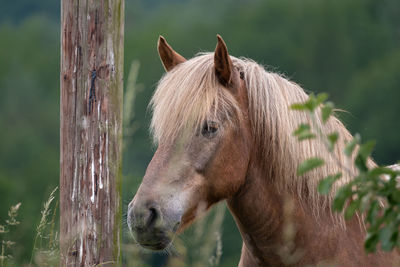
[350,49]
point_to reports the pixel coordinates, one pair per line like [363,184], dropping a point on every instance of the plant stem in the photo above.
[2,253]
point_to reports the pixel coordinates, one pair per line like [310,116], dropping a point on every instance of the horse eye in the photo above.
[209,129]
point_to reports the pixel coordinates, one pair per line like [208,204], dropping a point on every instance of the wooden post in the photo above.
[91,125]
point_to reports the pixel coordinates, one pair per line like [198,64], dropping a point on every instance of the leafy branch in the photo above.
[373,191]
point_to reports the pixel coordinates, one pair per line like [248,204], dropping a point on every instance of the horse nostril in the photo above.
[142,217]
[153,216]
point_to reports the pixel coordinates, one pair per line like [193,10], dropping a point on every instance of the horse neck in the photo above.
[277,228]
[257,210]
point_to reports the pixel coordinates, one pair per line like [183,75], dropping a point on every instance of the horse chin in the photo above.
[154,239]
[156,246]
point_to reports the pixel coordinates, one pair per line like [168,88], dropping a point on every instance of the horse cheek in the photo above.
[230,169]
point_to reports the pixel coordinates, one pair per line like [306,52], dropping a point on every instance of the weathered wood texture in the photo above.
[91,126]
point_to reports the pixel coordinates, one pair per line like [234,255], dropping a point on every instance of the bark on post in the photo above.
[91,126]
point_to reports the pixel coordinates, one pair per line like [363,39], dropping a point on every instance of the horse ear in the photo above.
[222,62]
[168,56]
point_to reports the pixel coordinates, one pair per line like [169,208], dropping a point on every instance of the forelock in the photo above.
[187,96]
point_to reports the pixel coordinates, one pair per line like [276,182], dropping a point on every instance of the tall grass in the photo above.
[6,245]
[45,250]
[132,88]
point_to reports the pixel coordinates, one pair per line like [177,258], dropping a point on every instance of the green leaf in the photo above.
[309,165]
[321,97]
[326,111]
[360,163]
[366,149]
[378,171]
[298,106]
[350,146]
[304,132]
[373,212]
[305,136]
[371,242]
[325,185]
[352,208]
[379,219]
[314,101]
[389,214]
[311,104]
[341,196]
[332,139]
[302,128]
[394,197]
[362,156]
[387,237]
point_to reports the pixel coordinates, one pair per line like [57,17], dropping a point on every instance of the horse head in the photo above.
[200,122]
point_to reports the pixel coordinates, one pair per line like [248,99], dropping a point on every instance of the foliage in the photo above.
[374,191]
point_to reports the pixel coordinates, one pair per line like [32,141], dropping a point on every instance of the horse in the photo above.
[223,132]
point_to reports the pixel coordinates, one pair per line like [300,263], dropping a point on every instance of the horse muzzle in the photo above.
[149,226]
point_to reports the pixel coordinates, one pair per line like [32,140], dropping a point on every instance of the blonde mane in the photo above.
[191,93]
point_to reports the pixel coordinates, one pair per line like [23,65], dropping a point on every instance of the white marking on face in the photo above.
[177,197]
[175,201]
